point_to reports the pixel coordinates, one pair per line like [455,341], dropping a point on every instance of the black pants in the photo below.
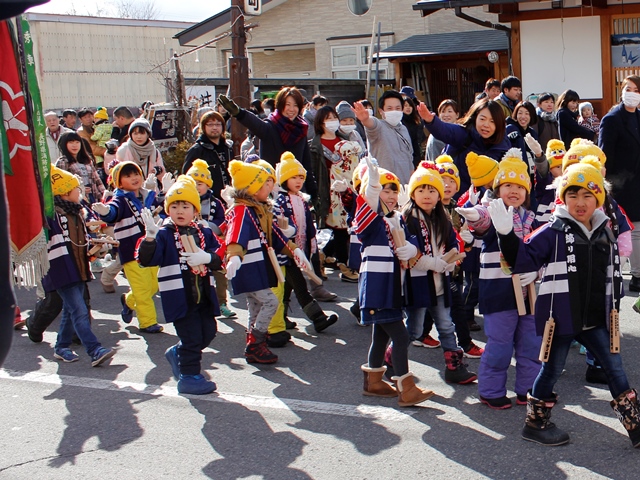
[295,281]
[380,336]
[48,308]
[458,313]
[338,245]
[195,330]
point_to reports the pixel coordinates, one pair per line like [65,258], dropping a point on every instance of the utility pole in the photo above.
[238,71]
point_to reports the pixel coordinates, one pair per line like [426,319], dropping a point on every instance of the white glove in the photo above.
[485,199]
[372,171]
[106,195]
[450,267]
[466,235]
[501,217]
[527,278]
[372,192]
[623,261]
[151,225]
[473,196]
[100,208]
[199,257]
[167,182]
[339,186]
[289,232]
[403,195]
[151,183]
[533,145]
[301,259]
[233,265]
[427,262]
[470,214]
[407,252]
[227,195]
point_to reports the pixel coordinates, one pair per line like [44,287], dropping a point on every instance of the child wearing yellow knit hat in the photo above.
[429,279]
[253,239]
[547,169]
[579,149]
[482,169]
[69,269]
[186,253]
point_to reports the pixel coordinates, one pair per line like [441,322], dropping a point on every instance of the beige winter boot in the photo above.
[374,386]
[409,393]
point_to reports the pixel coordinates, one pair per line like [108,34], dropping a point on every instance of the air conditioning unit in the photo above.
[253,7]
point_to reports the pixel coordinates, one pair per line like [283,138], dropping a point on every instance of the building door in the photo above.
[458,80]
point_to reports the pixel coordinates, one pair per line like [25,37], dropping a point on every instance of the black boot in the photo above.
[537,426]
[43,315]
[595,375]
[279,339]
[634,284]
[318,317]
[628,412]
[289,325]
[456,371]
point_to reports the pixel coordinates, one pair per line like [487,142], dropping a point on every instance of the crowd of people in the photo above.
[432,215]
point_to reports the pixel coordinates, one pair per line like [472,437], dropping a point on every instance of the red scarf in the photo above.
[291,132]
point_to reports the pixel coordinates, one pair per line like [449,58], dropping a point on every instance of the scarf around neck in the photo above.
[142,154]
[68,207]
[291,132]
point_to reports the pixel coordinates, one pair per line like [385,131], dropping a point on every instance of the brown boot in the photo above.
[374,386]
[410,394]
[628,412]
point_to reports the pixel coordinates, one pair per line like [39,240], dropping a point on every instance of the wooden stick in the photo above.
[94,223]
[190,247]
[614,331]
[517,290]
[312,276]
[103,240]
[533,295]
[400,240]
[157,211]
[275,264]
[95,250]
[447,257]
[547,339]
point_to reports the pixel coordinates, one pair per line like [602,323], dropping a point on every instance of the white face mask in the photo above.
[393,117]
[267,111]
[331,125]
[630,99]
[370,112]
[347,129]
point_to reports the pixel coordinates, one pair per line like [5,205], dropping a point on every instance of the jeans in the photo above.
[75,316]
[442,319]
[596,340]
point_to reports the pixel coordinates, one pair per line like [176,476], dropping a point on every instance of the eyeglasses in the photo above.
[218,124]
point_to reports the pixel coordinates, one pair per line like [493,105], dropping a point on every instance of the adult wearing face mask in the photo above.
[348,125]
[388,139]
[620,141]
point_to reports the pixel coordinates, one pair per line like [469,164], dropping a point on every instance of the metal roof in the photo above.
[429,5]
[448,44]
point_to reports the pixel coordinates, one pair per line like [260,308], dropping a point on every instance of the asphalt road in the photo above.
[304,417]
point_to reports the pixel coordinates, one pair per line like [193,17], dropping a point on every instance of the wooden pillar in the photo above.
[516,55]
[238,72]
[608,80]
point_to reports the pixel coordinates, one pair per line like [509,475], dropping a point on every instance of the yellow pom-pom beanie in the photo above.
[585,174]
[513,169]
[446,168]
[289,167]
[62,182]
[426,174]
[248,176]
[482,169]
[183,190]
[199,171]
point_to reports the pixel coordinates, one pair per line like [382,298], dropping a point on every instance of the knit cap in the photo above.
[579,149]
[253,158]
[482,169]
[446,168]
[62,182]
[199,171]
[513,169]
[183,190]
[585,174]
[426,174]
[289,167]
[555,152]
[101,114]
[140,122]
[249,176]
[115,172]
[344,111]
[585,105]
[386,177]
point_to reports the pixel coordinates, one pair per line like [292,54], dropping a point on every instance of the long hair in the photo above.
[83,155]
[566,97]
[321,116]
[438,222]
[413,116]
[497,114]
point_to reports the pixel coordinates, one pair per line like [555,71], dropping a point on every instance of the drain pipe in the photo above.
[495,26]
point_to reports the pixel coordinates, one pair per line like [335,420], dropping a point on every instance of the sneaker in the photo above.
[521,399]
[501,403]
[97,266]
[474,351]
[195,385]
[226,312]
[427,342]
[66,355]
[355,311]
[583,350]
[108,287]
[126,313]
[101,355]
[259,353]
[171,354]
[474,327]
[289,325]
[155,328]
[347,274]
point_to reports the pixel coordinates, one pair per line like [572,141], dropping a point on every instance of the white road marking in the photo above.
[362,411]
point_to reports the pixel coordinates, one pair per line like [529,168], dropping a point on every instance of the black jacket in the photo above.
[216,156]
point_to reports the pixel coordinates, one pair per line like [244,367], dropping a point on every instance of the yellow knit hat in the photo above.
[482,169]
[62,182]
[426,174]
[447,168]
[289,167]
[579,149]
[199,171]
[184,190]
[386,177]
[115,172]
[249,176]
[585,174]
[555,152]
[101,114]
[513,169]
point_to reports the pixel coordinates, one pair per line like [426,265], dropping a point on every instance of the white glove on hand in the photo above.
[199,257]
[426,262]
[289,232]
[151,183]
[501,217]
[473,196]
[533,145]
[233,265]
[466,236]
[470,214]
[301,259]
[167,182]
[100,208]
[227,195]
[106,195]
[407,252]
[450,267]
[527,278]
[403,195]
[339,186]
[372,171]
[151,225]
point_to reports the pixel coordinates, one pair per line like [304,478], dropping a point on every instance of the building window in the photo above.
[344,57]
[352,61]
